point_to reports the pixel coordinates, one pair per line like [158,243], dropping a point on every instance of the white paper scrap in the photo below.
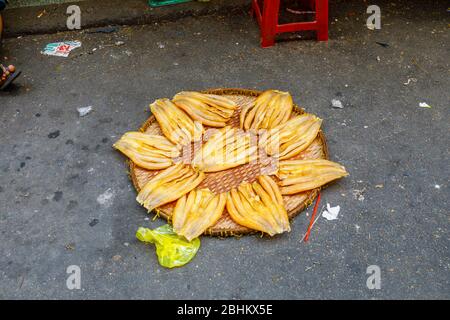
[331,213]
[83,111]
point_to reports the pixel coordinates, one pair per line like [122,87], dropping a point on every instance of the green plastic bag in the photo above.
[171,249]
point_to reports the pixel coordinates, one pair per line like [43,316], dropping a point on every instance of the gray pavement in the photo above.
[66,199]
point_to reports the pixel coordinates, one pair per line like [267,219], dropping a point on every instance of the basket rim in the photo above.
[312,194]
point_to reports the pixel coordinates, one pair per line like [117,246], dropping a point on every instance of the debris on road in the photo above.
[312,221]
[41,14]
[383,44]
[317,218]
[331,213]
[100,47]
[54,134]
[61,49]
[172,250]
[116,258]
[83,111]
[335,103]
[424,105]
[409,81]
[93,222]
[70,246]
[359,194]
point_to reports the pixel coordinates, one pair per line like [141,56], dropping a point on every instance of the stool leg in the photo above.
[269,22]
[322,19]
[252,10]
[311,4]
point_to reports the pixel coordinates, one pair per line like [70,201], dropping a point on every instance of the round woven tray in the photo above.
[225,180]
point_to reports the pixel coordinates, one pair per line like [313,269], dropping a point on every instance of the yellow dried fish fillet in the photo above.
[225,149]
[211,110]
[289,139]
[169,185]
[151,152]
[270,109]
[303,175]
[196,212]
[175,124]
[258,206]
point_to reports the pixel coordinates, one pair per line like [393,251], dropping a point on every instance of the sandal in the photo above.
[7,76]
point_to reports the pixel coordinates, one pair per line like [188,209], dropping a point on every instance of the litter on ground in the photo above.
[61,49]
[335,103]
[424,105]
[383,44]
[331,213]
[312,221]
[172,250]
[359,194]
[83,111]
[409,81]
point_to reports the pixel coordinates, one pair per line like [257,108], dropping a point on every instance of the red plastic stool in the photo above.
[268,20]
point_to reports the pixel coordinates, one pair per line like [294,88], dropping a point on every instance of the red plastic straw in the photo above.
[312,218]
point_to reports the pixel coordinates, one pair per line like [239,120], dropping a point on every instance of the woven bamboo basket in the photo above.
[225,180]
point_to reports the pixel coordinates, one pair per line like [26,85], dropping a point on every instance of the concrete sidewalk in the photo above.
[98,13]
[66,199]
